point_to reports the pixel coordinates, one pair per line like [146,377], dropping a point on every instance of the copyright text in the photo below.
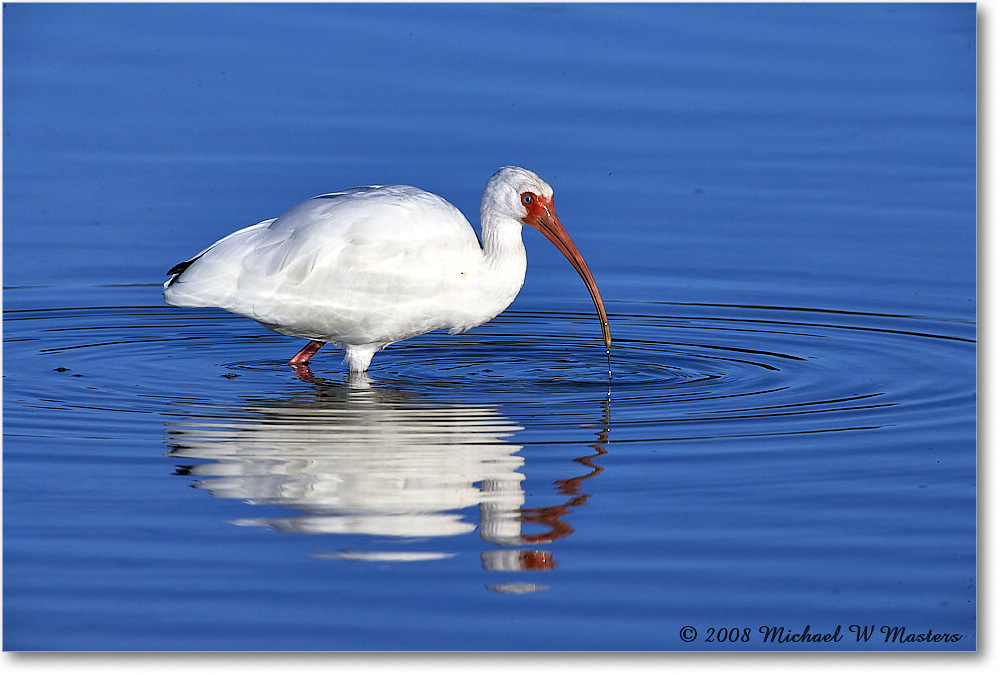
[853,633]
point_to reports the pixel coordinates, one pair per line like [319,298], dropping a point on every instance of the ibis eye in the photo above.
[527,199]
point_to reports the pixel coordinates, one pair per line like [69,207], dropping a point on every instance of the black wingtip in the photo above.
[180,267]
[177,270]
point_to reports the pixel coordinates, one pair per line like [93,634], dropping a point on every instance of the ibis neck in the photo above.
[504,259]
[502,243]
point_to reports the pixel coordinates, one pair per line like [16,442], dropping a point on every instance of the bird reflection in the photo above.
[372,460]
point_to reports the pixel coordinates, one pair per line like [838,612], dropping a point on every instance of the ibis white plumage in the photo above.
[366,267]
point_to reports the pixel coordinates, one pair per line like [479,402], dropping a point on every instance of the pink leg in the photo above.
[306,353]
[302,370]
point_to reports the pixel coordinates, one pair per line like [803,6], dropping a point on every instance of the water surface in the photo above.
[777,201]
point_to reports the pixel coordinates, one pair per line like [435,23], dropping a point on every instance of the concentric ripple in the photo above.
[692,370]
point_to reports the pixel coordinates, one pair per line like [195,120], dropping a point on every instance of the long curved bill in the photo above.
[543,218]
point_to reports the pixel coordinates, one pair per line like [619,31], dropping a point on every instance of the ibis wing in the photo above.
[338,264]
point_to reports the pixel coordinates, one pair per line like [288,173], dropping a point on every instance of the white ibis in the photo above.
[369,266]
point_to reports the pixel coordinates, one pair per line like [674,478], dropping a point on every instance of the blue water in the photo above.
[778,203]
